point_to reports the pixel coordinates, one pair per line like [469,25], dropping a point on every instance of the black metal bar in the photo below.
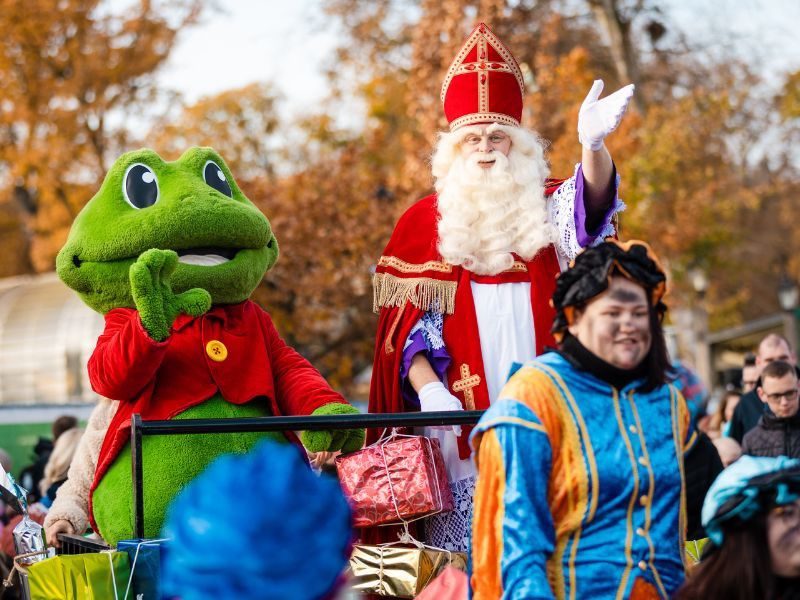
[137,475]
[141,428]
[371,421]
[76,544]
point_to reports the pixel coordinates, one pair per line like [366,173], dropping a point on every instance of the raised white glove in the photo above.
[434,397]
[598,118]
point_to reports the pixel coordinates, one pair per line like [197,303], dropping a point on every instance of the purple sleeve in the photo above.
[439,359]
[586,238]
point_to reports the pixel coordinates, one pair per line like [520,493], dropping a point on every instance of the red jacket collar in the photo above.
[229,314]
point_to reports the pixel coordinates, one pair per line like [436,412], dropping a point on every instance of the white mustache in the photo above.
[479,157]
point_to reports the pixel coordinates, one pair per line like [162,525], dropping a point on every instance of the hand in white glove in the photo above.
[434,397]
[598,118]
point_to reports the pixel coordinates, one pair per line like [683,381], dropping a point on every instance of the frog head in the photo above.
[192,206]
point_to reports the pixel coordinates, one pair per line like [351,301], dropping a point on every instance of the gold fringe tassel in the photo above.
[423,292]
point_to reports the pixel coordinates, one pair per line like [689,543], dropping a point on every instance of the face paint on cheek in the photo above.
[786,552]
[791,537]
[788,544]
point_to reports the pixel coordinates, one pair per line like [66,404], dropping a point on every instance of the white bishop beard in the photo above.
[488,214]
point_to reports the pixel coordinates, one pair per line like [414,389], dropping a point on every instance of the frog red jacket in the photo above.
[234,349]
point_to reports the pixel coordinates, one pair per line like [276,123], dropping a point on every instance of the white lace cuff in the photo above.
[562,210]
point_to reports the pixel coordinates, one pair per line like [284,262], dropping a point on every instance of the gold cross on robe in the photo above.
[465,384]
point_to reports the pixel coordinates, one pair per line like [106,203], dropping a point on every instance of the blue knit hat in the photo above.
[747,487]
[261,525]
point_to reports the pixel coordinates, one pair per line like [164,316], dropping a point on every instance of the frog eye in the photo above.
[215,177]
[140,186]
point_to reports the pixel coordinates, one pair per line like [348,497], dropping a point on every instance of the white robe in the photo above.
[505,327]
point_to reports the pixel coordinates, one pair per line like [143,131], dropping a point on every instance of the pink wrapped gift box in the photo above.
[451,584]
[399,479]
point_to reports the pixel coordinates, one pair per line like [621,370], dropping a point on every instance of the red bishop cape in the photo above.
[412,278]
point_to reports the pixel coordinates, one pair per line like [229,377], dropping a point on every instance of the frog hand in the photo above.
[346,440]
[153,297]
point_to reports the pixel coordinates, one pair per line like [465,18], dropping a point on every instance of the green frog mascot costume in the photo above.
[169,253]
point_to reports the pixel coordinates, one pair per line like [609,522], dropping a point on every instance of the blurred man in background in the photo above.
[748,412]
[777,432]
[750,373]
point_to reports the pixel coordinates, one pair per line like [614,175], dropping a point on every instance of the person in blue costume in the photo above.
[581,489]
[752,515]
[260,525]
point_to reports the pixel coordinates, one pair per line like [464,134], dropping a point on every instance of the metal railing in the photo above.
[76,544]
[140,428]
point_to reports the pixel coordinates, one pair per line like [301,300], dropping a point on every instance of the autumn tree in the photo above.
[238,123]
[325,194]
[788,99]
[72,73]
[329,219]
[690,152]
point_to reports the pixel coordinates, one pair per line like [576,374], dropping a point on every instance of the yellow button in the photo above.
[643,461]
[640,531]
[216,350]
[643,565]
[633,429]
[643,500]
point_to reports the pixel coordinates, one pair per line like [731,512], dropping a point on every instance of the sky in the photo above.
[246,41]
[764,32]
[287,43]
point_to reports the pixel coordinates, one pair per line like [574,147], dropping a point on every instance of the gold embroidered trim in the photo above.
[513,421]
[405,267]
[389,347]
[467,68]
[593,479]
[423,292]
[650,495]
[677,406]
[690,444]
[575,433]
[623,584]
[518,266]
[487,117]
[483,79]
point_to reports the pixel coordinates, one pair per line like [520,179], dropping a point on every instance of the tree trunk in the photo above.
[623,54]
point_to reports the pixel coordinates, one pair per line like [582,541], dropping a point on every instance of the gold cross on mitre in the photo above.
[465,384]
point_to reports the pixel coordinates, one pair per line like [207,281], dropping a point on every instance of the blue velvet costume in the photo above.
[580,489]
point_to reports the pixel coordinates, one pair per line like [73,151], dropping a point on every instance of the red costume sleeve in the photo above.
[385,396]
[409,262]
[299,388]
[126,358]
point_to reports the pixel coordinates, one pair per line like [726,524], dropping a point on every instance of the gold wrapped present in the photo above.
[399,571]
[80,576]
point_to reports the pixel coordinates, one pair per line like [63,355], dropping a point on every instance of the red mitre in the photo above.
[484,83]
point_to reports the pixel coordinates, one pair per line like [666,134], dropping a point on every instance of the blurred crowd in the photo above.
[759,417]
[751,514]
[50,460]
